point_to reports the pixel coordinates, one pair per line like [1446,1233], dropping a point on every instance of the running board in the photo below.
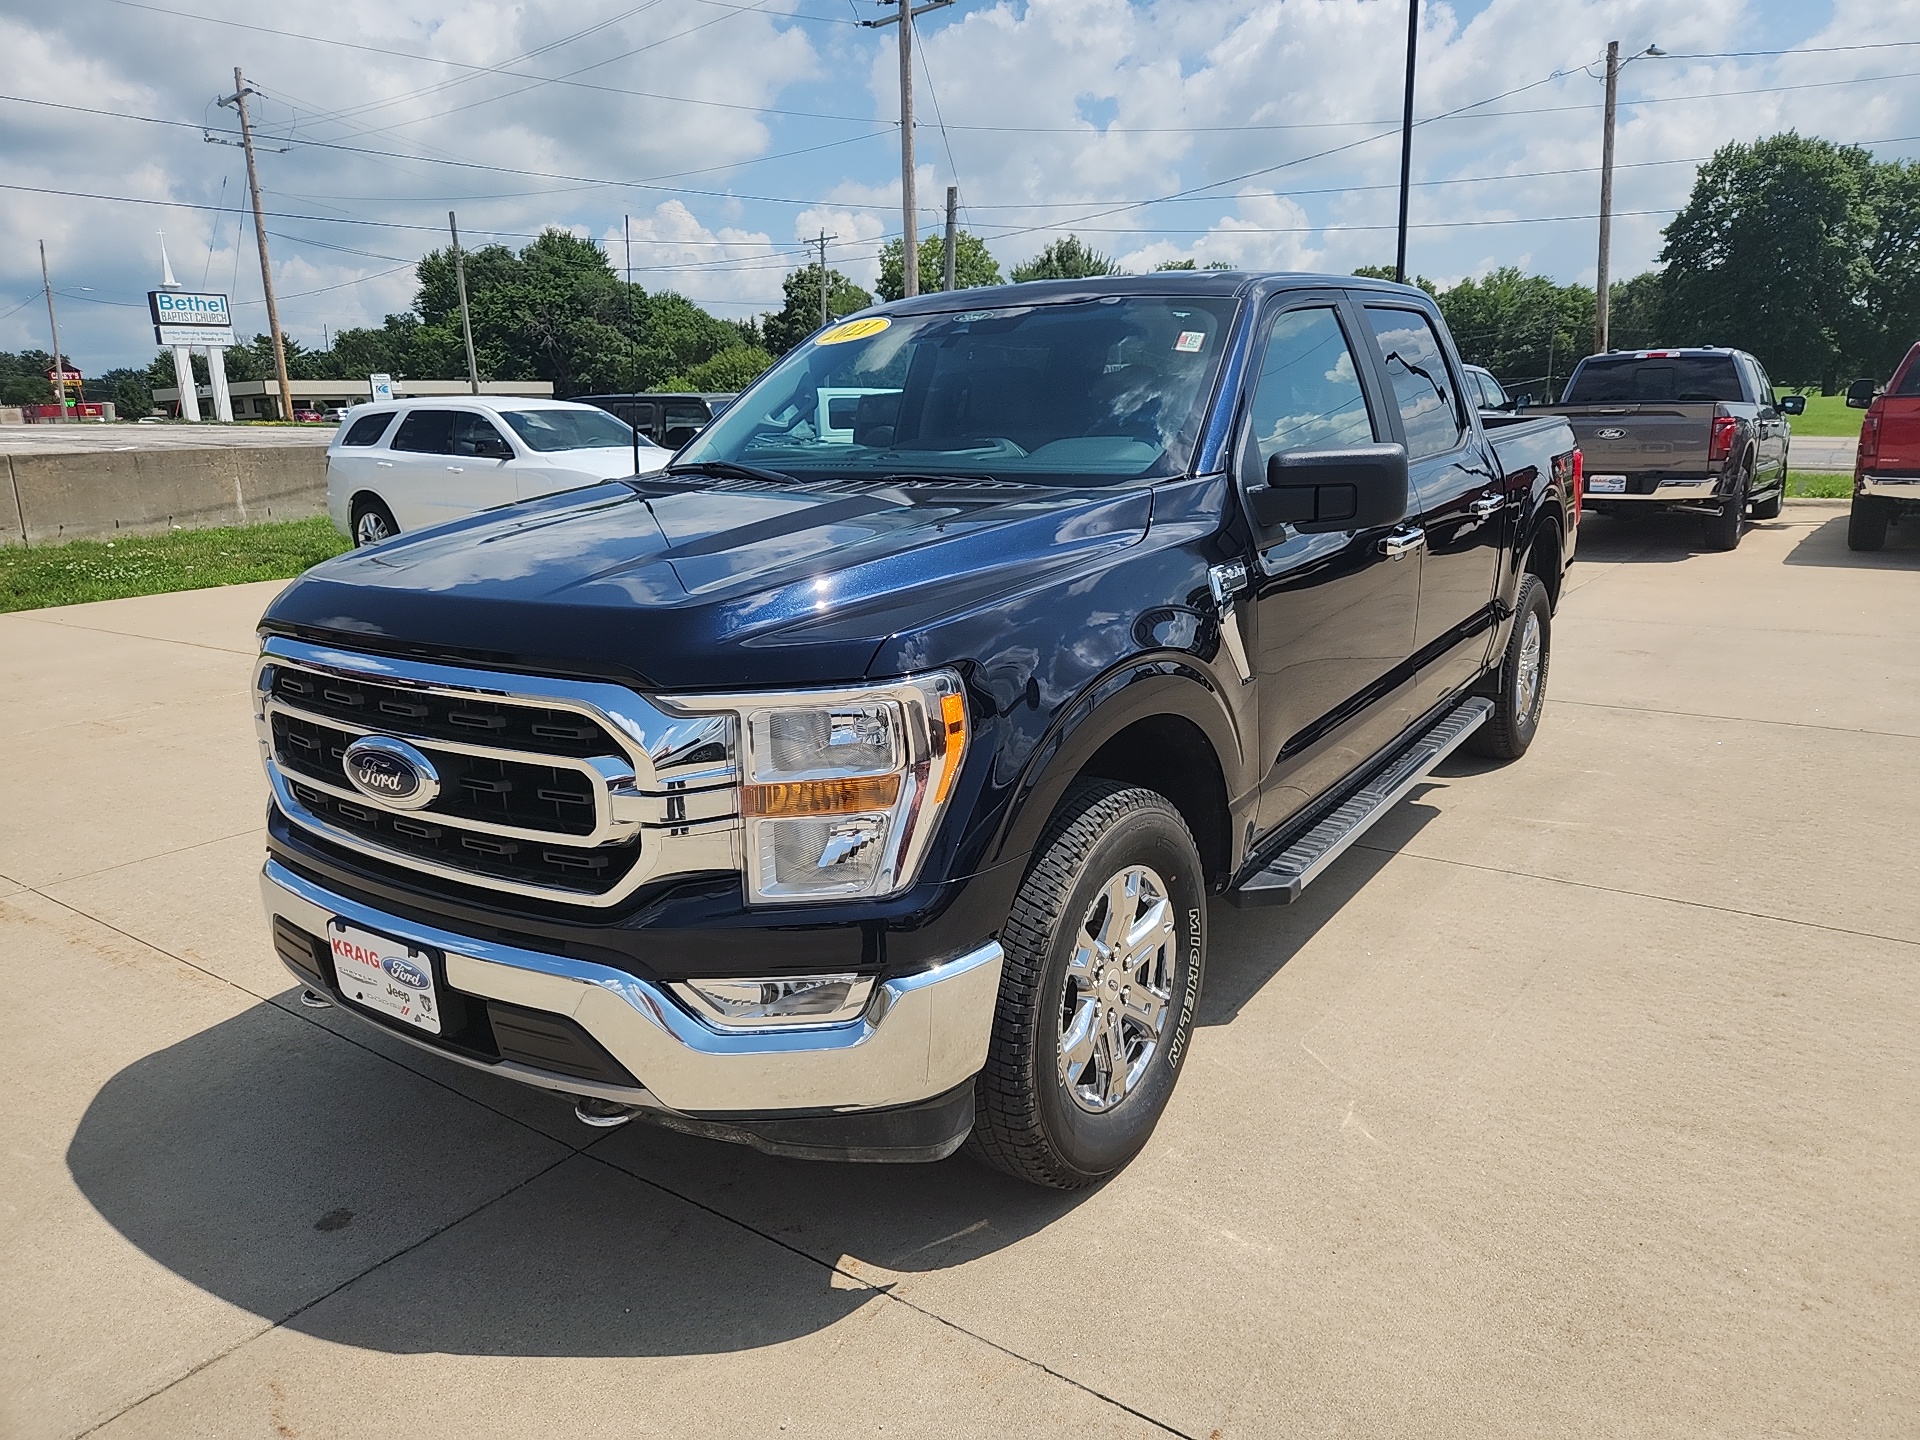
[1300,863]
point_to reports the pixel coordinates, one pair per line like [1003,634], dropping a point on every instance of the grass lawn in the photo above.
[1819,487]
[183,560]
[1827,415]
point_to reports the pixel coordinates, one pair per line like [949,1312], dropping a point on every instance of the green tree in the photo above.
[1524,328]
[1888,318]
[1192,265]
[733,369]
[972,265]
[1772,253]
[800,316]
[1385,272]
[1066,259]
[129,390]
[1636,311]
[23,377]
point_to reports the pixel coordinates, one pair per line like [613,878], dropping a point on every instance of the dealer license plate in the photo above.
[1606,484]
[385,974]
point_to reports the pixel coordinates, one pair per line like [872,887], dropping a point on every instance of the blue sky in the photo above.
[1261,134]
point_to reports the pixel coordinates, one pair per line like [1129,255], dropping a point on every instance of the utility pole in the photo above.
[1600,295]
[909,211]
[633,366]
[821,240]
[1406,140]
[466,321]
[953,233]
[239,101]
[53,324]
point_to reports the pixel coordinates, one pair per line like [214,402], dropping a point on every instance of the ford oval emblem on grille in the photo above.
[405,971]
[392,772]
[1611,433]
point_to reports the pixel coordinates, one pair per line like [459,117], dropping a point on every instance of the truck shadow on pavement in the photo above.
[1827,545]
[322,1177]
[1648,539]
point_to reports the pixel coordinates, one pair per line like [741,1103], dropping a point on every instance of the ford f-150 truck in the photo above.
[1886,468]
[1696,430]
[856,789]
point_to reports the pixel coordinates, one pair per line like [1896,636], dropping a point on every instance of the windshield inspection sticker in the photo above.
[1190,341]
[854,330]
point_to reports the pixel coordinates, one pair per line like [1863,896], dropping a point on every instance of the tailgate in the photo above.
[1635,439]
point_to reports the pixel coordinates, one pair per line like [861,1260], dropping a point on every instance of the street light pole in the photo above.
[1406,139]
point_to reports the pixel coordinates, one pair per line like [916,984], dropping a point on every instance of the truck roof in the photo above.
[1218,283]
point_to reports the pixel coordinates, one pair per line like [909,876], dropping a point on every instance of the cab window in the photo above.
[1308,394]
[425,432]
[475,435]
[1422,386]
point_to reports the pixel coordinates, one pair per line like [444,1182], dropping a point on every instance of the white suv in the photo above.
[407,464]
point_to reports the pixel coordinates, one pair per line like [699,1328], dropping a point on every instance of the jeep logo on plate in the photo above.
[392,772]
[1611,433]
[405,971]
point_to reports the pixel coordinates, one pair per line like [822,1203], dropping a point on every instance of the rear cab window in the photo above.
[368,429]
[425,432]
[1654,379]
[1423,388]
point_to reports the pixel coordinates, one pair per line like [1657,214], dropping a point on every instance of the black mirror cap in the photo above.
[1860,394]
[1317,491]
[1793,404]
[1522,401]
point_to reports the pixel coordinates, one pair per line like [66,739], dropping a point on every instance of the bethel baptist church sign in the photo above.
[181,317]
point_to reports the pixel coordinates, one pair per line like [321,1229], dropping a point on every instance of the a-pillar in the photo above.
[183,377]
[217,372]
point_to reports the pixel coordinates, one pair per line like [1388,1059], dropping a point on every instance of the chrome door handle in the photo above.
[1486,506]
[1403,542]
[384,464]
[458,469]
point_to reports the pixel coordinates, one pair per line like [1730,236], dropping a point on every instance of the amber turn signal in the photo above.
[821,797]
[953,719]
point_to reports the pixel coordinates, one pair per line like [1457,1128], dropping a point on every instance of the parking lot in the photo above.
[1580,1098]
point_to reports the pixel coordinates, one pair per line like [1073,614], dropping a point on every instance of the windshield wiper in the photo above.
[732,470]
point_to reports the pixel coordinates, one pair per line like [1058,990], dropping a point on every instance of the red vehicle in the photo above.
[308,417]
[1886,473]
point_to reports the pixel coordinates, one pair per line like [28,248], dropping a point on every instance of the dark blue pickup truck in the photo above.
[855,787]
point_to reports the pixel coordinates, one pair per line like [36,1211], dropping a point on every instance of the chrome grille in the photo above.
[563,790]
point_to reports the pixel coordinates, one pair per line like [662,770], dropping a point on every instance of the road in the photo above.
[1823,454]
[79,437]
[1580,1099]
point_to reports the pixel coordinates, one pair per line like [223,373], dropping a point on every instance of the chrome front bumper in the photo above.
[920,1036]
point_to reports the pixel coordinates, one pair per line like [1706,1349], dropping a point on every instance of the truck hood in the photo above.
[695,584]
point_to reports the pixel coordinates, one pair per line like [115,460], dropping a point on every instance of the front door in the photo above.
[1457,502]
[1331,616]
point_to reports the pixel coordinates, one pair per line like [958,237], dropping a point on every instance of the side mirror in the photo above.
[1860,394]
[1522,401]
[1793,404]
[1317,491]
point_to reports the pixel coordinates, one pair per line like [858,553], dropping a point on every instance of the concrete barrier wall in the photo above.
[99,494]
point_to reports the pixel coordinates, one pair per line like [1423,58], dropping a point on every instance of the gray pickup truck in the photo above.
[1696,430]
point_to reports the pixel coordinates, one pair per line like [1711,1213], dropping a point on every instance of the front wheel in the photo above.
[1105,950]
[1522,679]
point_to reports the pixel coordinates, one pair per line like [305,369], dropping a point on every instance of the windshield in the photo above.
[1630,379]
[583,429]
[1110,388]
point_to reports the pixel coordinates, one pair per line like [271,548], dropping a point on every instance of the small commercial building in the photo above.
[260,399]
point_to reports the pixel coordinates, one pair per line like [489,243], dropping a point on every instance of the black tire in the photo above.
[1516,706]
[372,522]
[1723,530]
[1867,523]
[1030,1119]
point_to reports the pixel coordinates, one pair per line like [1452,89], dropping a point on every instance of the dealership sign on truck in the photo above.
[183,317]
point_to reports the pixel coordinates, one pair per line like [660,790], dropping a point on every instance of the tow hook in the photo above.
[1227,581]
[602,1114]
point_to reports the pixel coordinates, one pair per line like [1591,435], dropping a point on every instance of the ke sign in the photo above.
[380,387]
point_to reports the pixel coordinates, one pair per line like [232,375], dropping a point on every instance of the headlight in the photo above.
[841,789]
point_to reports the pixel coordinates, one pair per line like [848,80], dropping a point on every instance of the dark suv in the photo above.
[669,420]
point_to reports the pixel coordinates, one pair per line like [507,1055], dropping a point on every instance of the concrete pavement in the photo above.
[81,437]
[1580,1099]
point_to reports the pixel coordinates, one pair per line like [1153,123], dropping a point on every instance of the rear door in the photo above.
[1458,500]
[1332,615]
[1769,429]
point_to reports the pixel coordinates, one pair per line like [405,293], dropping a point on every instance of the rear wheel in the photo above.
[1523,678]
[1723,530]
[1105,950]
[372,522]
[1867,523]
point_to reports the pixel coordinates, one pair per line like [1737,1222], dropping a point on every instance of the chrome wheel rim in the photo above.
[371,529]
[1119,989]
[1527,678]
